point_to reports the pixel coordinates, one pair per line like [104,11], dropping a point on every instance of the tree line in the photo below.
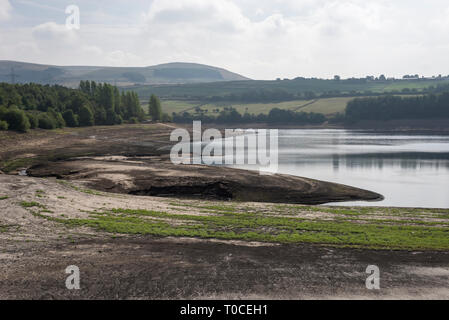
[275,116]
[280,95]
[29,106]
[434,105]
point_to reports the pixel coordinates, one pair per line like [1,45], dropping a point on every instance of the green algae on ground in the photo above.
[376,234]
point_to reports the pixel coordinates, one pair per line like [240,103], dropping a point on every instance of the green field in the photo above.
[326,106]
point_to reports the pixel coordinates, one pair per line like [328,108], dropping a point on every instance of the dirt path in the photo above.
[305,105]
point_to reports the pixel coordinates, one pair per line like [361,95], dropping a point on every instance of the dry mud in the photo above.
[131,160]
[35,253]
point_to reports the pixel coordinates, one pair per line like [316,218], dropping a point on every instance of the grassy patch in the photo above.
[83,190]
[40,193]
[11,165]
[4,197]
[7,228]
[31,204]
[250,227]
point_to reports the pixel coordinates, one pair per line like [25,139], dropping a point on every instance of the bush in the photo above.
[3,125]
[3,111]
[86,117]
[33,119]
[17,120]
[166,117]
[133,120]
[57,118]
[70,118]
[46,122]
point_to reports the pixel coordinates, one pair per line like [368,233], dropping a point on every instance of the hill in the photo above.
[263,91]
[170,73]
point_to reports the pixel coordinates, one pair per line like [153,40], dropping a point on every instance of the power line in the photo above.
[13,76]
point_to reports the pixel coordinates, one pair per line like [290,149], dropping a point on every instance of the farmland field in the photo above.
[326,106]
[201,91]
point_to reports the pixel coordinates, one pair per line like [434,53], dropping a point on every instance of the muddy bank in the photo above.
[36,251]
[157,176]
[138,268]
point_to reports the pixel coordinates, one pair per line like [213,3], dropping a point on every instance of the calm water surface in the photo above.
[410,170]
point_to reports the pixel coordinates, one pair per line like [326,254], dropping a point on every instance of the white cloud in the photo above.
[53,34]
[217,32]
[258,38]
[200,12]
[5,10]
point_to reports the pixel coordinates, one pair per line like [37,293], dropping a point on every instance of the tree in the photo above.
[17,120]
[33,119]
[57,106]
[57,117]
[155,109]
[3,125]
[166,117]
[86,117]
[70,118]
[46,122]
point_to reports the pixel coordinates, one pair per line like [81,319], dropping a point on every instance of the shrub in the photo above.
[57,118]
[133,120]
[86,117]
[166,117]
[3,125]
[46,122]
[3,111]
[70,118]
[17,120]
[33,119]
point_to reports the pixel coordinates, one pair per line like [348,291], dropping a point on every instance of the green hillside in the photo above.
[250,91]
[171,73]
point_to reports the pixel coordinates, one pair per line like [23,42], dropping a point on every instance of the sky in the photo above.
[260,39]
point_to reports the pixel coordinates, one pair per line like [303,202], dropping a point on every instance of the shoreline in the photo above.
[400,126]
[147,247]
[163,248]
[134,159]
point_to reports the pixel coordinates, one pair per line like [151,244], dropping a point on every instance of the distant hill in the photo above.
[170,73]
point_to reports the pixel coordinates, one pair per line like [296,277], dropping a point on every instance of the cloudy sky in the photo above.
[261,39]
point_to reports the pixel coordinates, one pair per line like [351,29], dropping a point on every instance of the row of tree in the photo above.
[231,115]
[279,95]
[397,107]
[25,106]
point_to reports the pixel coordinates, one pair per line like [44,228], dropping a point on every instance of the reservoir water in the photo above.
[409,169]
